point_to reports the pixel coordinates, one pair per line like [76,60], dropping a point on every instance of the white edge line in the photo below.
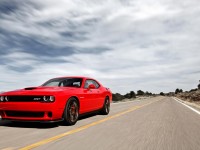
[180,101]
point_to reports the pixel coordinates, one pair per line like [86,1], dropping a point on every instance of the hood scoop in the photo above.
[30,88]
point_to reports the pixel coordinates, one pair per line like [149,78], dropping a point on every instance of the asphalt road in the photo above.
[159,123]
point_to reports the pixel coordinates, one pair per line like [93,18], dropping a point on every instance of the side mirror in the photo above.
[91,86]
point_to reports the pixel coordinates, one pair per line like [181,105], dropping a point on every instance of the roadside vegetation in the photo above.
[131,95]
[192,96]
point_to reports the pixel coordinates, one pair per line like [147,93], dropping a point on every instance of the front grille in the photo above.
[25,98]
[24,114]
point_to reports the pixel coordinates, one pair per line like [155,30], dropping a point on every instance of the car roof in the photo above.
[83,77]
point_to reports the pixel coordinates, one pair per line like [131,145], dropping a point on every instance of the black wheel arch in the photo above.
[108,97]
[68,100]
[76,99]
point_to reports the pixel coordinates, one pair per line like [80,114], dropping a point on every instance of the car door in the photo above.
[90,95]
[99,96]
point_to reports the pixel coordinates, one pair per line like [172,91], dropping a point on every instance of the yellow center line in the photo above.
[48,140]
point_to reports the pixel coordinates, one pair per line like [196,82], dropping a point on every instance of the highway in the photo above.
[159,123]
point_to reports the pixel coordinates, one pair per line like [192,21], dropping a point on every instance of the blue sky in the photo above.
[153,45]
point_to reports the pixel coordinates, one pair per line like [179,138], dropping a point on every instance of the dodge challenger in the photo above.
[58,99]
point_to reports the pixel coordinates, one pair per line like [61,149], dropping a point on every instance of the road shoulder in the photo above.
[190,105]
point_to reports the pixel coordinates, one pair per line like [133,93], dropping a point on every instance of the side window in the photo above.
[96,84]
[77,84]
[88,82]
[71,83]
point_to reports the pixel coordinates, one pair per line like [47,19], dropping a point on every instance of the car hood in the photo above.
[39,90]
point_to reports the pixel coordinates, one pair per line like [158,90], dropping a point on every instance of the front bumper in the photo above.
[30,111]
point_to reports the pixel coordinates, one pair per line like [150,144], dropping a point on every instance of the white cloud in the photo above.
[149,45]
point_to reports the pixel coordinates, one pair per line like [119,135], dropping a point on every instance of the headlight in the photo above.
[48,98]
[6,98]
[3,98]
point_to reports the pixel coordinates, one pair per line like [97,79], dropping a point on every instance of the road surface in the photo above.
[159,123]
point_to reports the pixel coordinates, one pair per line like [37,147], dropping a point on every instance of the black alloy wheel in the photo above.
[106,107]
[71,112]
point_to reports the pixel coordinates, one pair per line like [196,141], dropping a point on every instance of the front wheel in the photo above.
[106,107]
[71,112]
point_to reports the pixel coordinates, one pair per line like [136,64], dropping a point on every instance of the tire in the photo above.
[106,107]
[71,112]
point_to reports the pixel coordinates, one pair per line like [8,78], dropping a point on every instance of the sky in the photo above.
[127,45]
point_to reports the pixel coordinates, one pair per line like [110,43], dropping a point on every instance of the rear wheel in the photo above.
[106,107]
[71,112]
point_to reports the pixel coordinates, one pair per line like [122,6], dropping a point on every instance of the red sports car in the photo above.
[63,98]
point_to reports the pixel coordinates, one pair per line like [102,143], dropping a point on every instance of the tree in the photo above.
[199,85]
[127,95]
[193,90]
[161,93]
[178,91]
[148,93]
[132,94]
[117,97]
[140,92]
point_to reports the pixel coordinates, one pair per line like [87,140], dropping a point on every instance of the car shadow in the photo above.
[28,125]
[40,125]
[88,115]
[81,117]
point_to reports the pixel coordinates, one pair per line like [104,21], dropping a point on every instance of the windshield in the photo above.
[64,82]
